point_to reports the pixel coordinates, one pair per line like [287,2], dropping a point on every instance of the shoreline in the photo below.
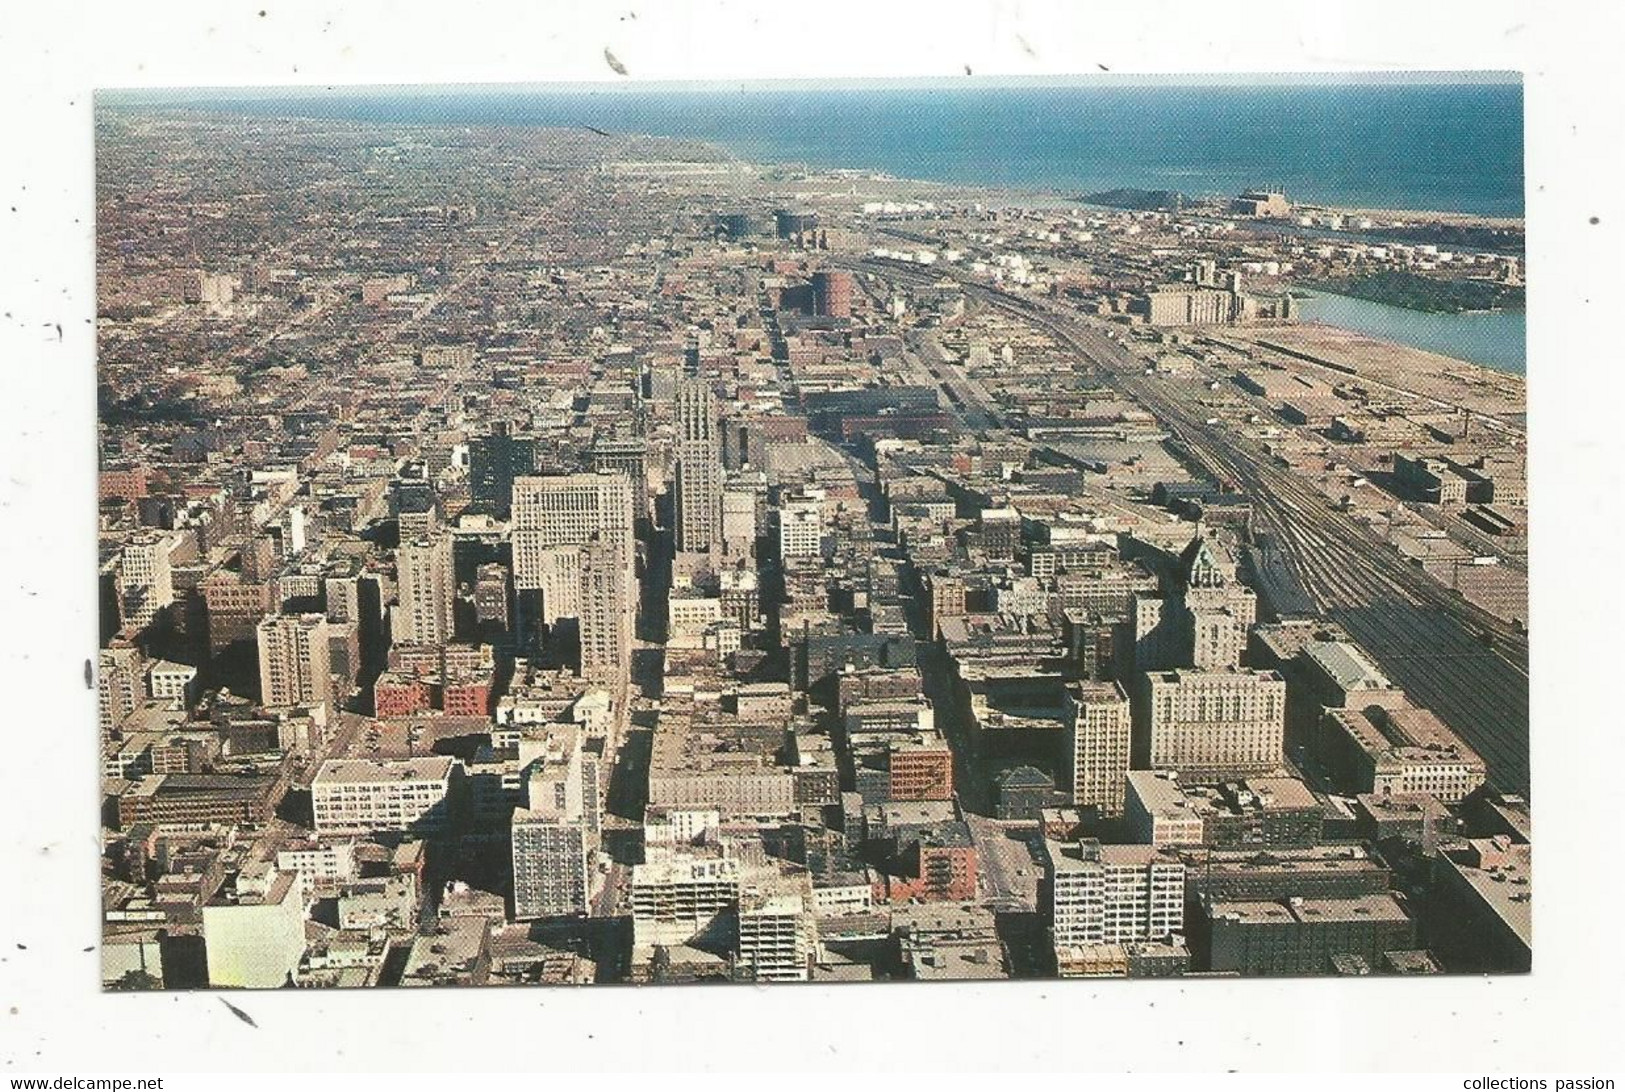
[1052,193]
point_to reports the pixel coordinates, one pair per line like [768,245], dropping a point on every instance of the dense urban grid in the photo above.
[543,556]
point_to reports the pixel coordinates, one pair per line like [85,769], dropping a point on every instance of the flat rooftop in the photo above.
[1497,870]
[1310,911]
[354,771]
[1345,665]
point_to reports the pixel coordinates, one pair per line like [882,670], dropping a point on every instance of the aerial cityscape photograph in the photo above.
[777,533]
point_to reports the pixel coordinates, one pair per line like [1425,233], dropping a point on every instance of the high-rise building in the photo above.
[608,608]
[1219,609]
[568,510]
[494,463]
[801,527]
[256,939]
[549,866]
[492,595]
[777,934]
[699,468]
[295,661]
[1215,723]
[144,582]
[629,456]
[233,608]
[1099,735]
[1201,616]
[558,829]
[1112,894]
[738,525]
[427,592]
[118,684]
[682,899]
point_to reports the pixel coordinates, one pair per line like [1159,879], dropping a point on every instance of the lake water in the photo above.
[1494,339]
[1451,146]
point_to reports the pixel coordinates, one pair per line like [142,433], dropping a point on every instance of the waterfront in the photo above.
[1494,339]
[1428,143]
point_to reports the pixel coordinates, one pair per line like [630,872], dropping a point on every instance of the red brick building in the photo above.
[921,771]
[126,483]
[397,695]
[466,696]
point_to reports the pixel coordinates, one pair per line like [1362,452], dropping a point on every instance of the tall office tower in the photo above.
[568,510]
[1201,615]
[256,939]
[424,615]
[415,507]
[1099,731]
[1218,608]
[557,829]
[118,685]
[551,834]
[295,662]
[630,456]
[738,525]
[1112,894]
[144,582]
[343,597]
[1156,645]
[494,463]
[233,608]
[607,607]
[699,468]
[1215,723]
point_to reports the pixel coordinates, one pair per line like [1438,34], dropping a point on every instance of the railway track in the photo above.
[1450,655]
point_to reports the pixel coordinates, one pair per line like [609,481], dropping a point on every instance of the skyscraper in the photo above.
[295,664]
[568,510]
[607,608]
[144,582]
[1201,616]
[573,542]
[494,462]
[699,468]
[1098,730]
[427,590]
[629,455]
[549,867]
[556,830]
[118,679]
[1215,723]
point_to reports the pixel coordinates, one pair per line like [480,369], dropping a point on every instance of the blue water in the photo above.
[1444,146]
[1494,339]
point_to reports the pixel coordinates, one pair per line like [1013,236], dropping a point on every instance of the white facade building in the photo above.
[364,796]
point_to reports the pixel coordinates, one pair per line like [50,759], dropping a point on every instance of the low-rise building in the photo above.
[367,796]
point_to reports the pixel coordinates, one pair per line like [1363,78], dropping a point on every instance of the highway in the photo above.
[1468,666]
